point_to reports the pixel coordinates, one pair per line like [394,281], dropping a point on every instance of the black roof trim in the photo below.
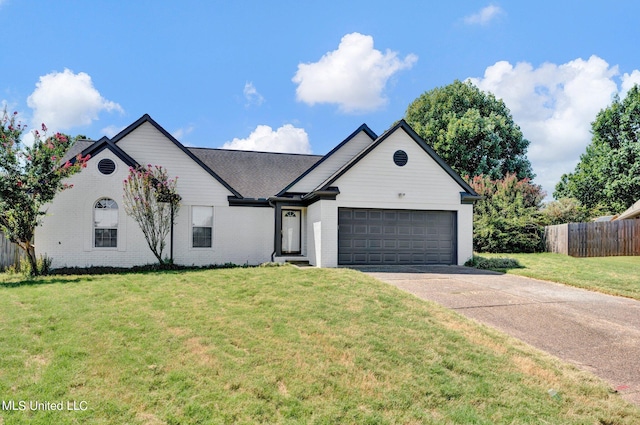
[104,143]
[146,118]
[428,149]
[468,198]
[363,127]
[330,194]
[247,202]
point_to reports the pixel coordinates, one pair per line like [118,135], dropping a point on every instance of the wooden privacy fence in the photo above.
[596,239]
[9,253]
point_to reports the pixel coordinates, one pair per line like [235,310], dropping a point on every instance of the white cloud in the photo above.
[353,76]
[251,95]
[64,100]
[182,132]
[285,139]
[554,106]
[628,81]
[484,16]
[112,130]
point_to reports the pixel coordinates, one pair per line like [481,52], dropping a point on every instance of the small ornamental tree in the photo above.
[151,199]
[30,177]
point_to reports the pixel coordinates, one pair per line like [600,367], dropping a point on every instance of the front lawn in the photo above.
[611,275]
[271,345]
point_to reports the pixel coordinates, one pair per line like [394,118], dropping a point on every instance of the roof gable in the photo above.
[147,119]
[98,146]
[334,153]
[401,125]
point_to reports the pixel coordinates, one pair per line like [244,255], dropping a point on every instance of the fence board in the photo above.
[597,239]
[9,253]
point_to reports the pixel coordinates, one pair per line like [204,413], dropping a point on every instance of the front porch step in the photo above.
[299,263]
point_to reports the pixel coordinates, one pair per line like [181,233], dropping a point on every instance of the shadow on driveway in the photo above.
[431,269]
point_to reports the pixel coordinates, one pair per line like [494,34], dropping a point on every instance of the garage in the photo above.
[385,236]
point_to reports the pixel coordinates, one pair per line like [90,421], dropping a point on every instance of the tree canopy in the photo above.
[607,178]
[471,130]
[30,177]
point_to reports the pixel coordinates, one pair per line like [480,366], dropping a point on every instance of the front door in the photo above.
[291,231]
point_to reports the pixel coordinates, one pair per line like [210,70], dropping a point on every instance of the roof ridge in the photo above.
[249,151]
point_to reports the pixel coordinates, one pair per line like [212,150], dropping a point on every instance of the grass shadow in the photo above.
[30,281]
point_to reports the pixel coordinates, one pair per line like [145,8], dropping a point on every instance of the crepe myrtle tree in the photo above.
[151,199]
[30,177]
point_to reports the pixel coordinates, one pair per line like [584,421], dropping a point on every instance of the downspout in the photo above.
[275,231]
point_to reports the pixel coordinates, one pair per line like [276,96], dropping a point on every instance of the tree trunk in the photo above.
[31,255]
[30,250]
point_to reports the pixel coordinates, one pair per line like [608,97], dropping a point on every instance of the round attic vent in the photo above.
[106,166]
[400,158]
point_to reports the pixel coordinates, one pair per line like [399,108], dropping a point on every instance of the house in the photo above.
[386,199]
[633,212]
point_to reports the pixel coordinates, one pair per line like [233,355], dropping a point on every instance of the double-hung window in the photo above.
[202,227]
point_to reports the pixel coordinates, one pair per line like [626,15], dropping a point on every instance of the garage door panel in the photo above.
[370,215]
[371,236]
[375,230]
[404,230]
[389,244]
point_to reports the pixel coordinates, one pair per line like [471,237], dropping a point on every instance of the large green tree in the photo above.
[30,177]
[607,178]
[471,130]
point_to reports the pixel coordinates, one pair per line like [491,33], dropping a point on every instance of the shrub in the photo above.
[43,265]
[507,219]
[495,263]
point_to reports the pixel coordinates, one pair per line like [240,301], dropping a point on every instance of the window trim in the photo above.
[192,227]
[96,227]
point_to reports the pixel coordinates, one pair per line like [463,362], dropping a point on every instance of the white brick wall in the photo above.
[244,234]
[376,182]
[240,235]
[332,164]
[323,239]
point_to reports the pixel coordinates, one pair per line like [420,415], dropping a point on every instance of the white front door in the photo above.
[290,231]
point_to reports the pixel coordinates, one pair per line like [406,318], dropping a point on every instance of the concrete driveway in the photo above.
[596,332]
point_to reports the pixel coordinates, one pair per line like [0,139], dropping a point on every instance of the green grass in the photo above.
[272,345]
[611,275]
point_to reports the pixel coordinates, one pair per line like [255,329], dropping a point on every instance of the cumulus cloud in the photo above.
[285,139]
[484,16]
[64,100]
[251,95]
[554,106]
[354,76]
[628,81]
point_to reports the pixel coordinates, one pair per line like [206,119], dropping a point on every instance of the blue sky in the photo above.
[300,76]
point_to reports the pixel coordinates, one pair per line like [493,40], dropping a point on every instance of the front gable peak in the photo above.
[147,120]
[401,125]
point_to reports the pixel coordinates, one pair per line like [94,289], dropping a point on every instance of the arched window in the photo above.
[105,223]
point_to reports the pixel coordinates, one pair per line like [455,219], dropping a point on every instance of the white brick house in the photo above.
[371,200]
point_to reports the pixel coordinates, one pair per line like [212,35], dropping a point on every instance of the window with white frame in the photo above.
[202,227]
[105,223]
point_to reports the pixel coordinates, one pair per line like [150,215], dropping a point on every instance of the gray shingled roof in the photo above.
[77,147]
[255,174]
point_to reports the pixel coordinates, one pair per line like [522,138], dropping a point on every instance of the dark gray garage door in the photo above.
[373,236]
